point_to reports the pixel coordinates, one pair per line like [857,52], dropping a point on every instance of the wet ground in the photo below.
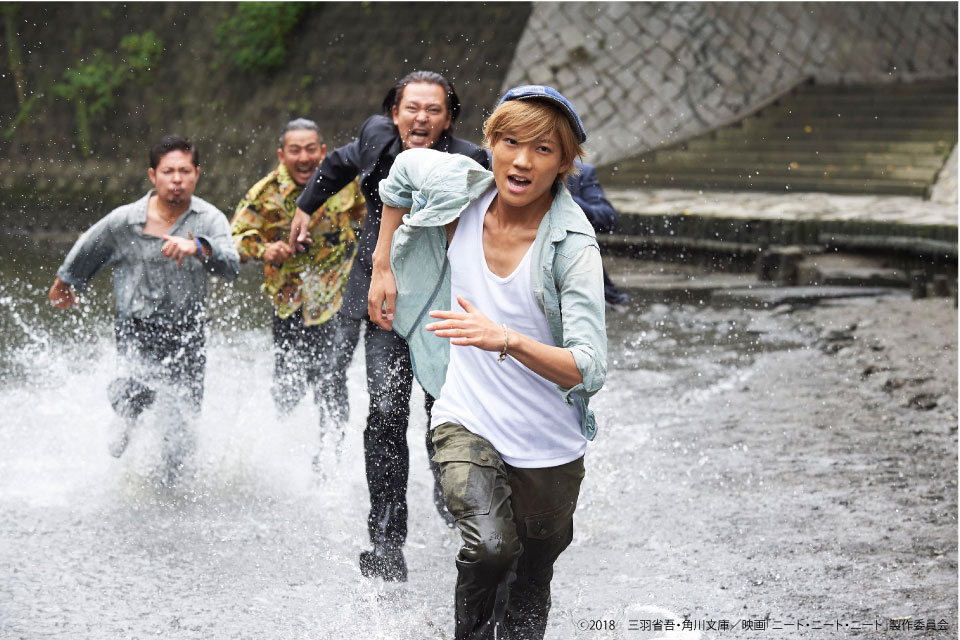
[763,473]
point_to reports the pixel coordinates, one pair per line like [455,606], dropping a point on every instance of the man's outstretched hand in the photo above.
[61,295]
[469,328]
[300,232]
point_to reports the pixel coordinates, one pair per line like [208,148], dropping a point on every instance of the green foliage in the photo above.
[15,56]
[92,84]
[257,33]
[92,80]
[301,106]
[141,52]
[15,59]
[23,116]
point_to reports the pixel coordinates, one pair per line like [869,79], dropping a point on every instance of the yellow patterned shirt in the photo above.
[314,280]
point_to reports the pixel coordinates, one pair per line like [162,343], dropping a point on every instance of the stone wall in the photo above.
[646,74]
[342,59]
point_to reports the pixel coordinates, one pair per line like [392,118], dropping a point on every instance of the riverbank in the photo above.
[773,232]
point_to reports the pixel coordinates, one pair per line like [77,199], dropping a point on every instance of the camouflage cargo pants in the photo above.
[514,523]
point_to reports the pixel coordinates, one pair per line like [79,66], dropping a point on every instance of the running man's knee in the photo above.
[492,551]
[129,397]
[286,395]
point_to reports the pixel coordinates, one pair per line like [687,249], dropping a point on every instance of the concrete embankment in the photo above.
[773,234]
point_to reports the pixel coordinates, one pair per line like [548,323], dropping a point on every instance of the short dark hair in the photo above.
[300,124]
[395,94]
[173,142]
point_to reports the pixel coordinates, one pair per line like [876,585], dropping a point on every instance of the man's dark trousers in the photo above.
[305,355]
[389,379]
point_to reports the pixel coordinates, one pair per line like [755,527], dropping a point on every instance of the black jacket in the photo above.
[587,192]
[370,156]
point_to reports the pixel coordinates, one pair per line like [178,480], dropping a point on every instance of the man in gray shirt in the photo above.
[162,248]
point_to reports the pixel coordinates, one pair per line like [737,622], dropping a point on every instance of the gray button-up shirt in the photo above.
[147,285]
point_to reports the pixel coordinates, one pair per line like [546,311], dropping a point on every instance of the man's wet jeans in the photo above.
[172,355]
[165,365]
[515,523]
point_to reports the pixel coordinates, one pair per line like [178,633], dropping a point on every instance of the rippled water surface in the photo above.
[253,544]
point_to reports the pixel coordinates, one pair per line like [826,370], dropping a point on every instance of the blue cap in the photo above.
[542,92]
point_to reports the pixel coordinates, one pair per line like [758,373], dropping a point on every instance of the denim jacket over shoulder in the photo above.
[566,271]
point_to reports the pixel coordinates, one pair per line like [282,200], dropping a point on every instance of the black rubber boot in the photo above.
[384,562]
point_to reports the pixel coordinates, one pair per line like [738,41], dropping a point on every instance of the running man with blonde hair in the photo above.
[511,372]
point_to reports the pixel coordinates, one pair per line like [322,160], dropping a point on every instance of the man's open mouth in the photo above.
[418,135]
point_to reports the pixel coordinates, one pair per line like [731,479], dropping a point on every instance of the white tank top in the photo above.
[518,411]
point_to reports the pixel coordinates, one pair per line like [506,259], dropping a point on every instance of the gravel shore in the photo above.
[814,495]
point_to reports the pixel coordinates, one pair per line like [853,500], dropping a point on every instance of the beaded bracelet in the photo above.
[503,352]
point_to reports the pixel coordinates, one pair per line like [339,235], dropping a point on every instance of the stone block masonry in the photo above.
[692,66]
[342,58]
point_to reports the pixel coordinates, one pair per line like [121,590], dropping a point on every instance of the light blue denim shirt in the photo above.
[147,285]
[566,271]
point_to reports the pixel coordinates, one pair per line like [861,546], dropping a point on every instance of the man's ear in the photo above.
[323,152]
[280,155]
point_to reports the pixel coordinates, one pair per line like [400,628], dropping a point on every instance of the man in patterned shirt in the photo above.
[306,289]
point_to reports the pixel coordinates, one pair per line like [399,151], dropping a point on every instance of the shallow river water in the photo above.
[254,544]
